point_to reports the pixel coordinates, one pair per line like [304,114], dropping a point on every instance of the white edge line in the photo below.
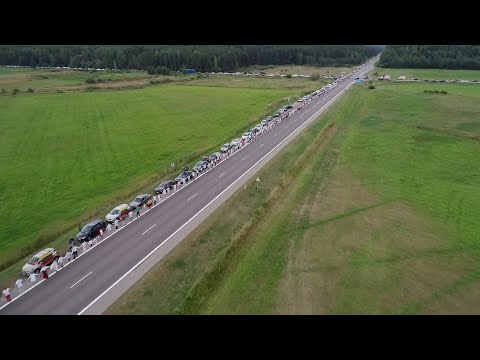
[202,209]
[80,279]
[150,228]
[262,145]
[222,174]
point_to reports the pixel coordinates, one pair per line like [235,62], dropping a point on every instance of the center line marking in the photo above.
[275,135]
[222,174]
[192,197]
[150,228]
[262,145]
[286,126]
[244,157]
[80,279]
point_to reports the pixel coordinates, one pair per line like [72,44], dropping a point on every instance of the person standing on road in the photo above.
[44,272]
[60,262]
[74,252]
[71,242]
[109,227]
[138,211]
[101,233]
[32,277]
[54,265]
[84,246]
[19,285]
[68,255]
[116,224]
[6,292]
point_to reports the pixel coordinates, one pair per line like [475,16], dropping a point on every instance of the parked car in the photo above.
[225,147]
[236,143]
[200,166]
[139,201]
[247,136]
[37,261]
[215,156]
[184,176]
[259,127]
[118,212]
[91,230]
[164,186]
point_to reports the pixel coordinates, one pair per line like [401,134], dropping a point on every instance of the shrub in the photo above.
[436,91]
[90,81]
[443,92]
[15,91]
[370,82]
[371,86]
[59,91]
[315,76]
[30,90]
[375,73]
[3,91]
[288,76]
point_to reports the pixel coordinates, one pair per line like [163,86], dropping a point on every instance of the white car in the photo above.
[236,143]
[247,136]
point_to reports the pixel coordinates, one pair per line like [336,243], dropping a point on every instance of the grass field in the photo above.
[300,70]
[66,157]
[43,79]
[377,214]
[430,73]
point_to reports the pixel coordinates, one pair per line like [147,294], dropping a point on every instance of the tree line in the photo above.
[431,56]
[166,58]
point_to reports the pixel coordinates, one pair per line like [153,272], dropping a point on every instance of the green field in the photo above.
[43,79]
[67,157]
[438,74]
[377,214]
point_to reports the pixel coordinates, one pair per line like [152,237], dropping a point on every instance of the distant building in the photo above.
[189,71]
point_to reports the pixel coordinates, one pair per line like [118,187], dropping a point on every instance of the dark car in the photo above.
[91,230]
[139,201]
[200,166]
[164,186]
[215,156]
[184,176]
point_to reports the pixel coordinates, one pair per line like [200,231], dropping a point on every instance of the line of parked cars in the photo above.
[91,230]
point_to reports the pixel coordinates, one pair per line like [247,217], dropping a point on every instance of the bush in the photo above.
[315,76]
[30,90]
[443,92]
[3,91]
[90,81]
[15,91]
[288,76]
[59,91]
[371,86]
[375,73]
[370,82]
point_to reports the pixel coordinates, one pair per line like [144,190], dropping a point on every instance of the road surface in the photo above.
[94,281]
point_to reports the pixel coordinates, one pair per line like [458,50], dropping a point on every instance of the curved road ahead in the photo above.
[93,282]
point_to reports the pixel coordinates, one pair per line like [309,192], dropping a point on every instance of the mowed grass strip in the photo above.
[65,155]
[383,220]
[438,74]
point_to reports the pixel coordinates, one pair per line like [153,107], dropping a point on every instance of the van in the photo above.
[119,212]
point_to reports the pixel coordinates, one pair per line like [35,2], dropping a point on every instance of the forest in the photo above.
[166,58]
[431,57]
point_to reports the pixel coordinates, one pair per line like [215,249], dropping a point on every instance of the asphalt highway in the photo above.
[101,275]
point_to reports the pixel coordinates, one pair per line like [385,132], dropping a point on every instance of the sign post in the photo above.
[257,181]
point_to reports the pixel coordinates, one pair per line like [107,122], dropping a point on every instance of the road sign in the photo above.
[258,179]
